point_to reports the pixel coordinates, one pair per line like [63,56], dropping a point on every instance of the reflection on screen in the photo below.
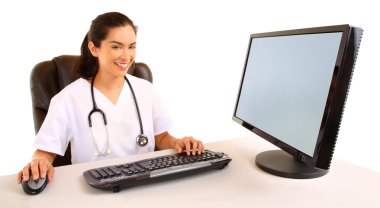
[286,84]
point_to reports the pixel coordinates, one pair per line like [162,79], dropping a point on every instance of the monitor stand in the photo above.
[280,163]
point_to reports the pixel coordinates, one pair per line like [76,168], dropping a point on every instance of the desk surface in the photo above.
[240,184]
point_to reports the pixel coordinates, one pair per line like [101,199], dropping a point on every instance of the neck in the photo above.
[108,82]
[109,86]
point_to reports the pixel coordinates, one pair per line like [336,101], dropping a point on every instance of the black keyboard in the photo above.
[154,169]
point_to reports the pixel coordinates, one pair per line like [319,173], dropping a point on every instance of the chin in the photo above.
[121,72]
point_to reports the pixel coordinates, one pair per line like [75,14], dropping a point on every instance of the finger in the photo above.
[195,145]
[19,177]
[35,170]
[178,146]
[187,145]
[25,172]
[200,147]
[179,149]
[51,172]
[43,168]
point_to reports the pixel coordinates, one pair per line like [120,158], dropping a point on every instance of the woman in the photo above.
[107,52]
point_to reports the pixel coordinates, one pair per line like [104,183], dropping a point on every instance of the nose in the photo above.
[126,55]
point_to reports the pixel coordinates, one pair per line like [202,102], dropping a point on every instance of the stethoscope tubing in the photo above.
[141,139]
[136,104]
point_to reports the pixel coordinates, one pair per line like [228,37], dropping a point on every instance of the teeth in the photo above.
[122,65]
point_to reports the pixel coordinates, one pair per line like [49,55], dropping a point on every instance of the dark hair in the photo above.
[88,64]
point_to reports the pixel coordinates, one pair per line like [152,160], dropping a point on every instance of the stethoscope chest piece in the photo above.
[142,140]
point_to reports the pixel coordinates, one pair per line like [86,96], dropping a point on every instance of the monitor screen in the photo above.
[289,94]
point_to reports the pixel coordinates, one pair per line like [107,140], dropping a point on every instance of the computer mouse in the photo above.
[34,187]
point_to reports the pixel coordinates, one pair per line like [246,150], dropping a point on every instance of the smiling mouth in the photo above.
[122,66]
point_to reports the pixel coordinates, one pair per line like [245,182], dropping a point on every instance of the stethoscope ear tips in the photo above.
[142,140]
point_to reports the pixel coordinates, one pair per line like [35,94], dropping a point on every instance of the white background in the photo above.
[196,50]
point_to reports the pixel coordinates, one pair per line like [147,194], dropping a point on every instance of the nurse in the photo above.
[107,52]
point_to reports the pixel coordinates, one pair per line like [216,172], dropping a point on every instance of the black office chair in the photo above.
[49,77]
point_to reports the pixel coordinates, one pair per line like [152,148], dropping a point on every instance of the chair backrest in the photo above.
[49,77]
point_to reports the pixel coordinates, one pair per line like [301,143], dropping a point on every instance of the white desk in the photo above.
[240,184]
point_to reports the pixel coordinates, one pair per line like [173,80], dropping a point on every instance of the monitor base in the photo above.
[280,163]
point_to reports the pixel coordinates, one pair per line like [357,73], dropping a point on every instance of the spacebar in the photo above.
[179,169]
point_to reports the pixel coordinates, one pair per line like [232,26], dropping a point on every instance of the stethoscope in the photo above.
[141,139]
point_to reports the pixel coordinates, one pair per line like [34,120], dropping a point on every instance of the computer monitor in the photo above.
[292,94]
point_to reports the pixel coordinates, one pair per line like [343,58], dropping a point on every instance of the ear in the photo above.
[93,49]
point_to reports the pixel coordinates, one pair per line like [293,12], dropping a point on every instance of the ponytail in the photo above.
[88,64]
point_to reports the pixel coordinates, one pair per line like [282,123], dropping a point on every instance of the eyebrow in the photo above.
[112,41]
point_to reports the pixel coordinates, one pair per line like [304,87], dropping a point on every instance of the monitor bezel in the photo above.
[339,85]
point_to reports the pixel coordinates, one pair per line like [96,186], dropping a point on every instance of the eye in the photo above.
[132,46]
[116,47]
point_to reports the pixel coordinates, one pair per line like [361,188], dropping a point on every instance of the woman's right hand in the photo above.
[39,167]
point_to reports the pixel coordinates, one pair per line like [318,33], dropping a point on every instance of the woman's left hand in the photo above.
[190,145]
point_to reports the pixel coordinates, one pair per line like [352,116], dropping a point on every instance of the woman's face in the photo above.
[117,52]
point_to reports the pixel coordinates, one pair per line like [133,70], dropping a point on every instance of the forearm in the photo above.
[165,141]
[40,154]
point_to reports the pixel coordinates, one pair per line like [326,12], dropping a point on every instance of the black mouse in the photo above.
[34,187]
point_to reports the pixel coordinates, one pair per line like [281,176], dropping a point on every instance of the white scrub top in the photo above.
[67,121]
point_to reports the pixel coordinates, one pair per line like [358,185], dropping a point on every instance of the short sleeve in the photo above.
[161,118]
[54,135]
